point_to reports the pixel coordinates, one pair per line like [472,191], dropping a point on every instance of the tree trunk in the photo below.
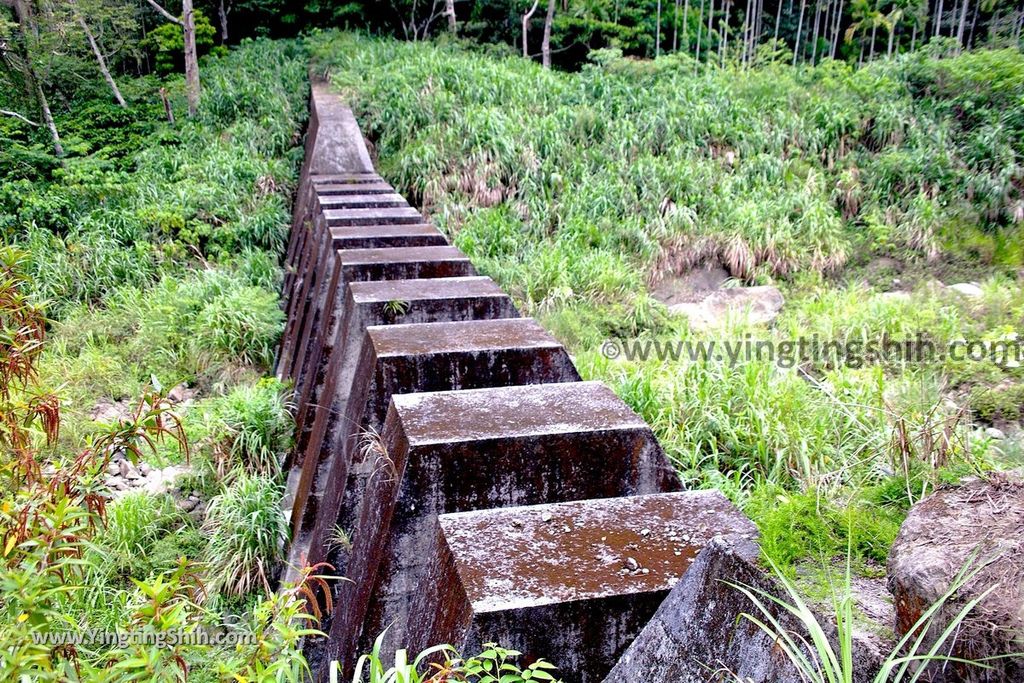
[449,9]
[938,19]
[837,24]
[526,23]
[874,32]
[192,87]
[960,28]
[723,27]
[700,28]
[545,45]
[99,58]
[686,25]
[759,23]
[814,34]
[892,34]
[44,107]
[24,16]
[913,35]
[747,30]
[657,32]
[223,9]
[778,19]
[799,30]
[974,24]
[675,26]
[711,18]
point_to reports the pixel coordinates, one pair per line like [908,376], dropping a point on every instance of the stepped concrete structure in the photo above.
[450,464]
[585,576]
[469,450]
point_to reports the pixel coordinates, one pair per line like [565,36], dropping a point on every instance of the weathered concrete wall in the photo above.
[429,413]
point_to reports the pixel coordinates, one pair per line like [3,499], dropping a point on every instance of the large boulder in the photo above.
[757,305]
[979,522]
[699,634]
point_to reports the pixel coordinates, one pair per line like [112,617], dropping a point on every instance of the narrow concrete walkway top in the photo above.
[342,150]
[401,214]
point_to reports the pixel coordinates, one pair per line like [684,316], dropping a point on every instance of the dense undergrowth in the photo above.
[154,249]
[578,192]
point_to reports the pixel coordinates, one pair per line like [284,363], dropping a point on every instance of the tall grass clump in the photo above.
[255,427]
[246,530]
[826,654]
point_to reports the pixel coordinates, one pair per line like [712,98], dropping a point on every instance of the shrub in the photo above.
[246,529]
[241,325]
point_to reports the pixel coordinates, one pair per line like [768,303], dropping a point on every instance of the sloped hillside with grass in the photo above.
[580,191]
[153,250]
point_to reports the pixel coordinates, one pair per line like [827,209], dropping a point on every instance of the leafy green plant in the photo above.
[243,324]
[824,659]
[442,664]
[255,427]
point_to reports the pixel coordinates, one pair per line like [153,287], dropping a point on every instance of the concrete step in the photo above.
[382,302]
[361,201]
[403,359]
[322,179]
[386,235]
[330,189]
[313,267]
[314,342]
[317,262]
[353,237]
[454,451]
[573,583]
[388,302]
[405,214]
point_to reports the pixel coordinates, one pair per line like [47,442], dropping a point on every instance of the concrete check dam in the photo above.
[450,464]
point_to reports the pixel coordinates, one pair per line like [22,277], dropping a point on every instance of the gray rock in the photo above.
[757,305]
[198,513]
[995,433]
[977,519]
[969,289]
[699,629]
[111,412]
[691,286]
[145,469]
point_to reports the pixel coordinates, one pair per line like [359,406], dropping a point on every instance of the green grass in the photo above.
[157,250]
[246,531]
